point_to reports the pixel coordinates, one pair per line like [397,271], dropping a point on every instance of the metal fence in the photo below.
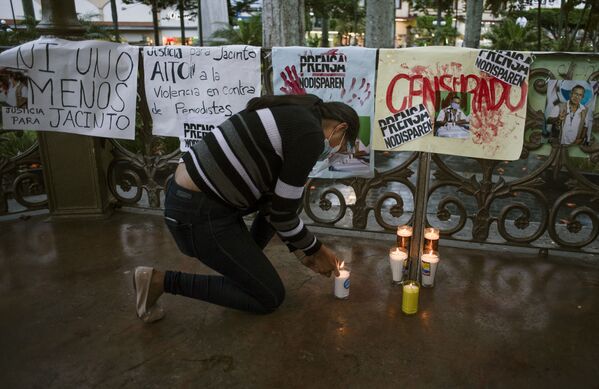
[547,199]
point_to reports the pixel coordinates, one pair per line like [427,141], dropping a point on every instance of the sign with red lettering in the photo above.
[473,113]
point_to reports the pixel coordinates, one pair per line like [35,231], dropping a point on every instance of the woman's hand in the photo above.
[324,262]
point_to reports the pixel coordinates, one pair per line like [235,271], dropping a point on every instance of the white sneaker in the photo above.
[142,278]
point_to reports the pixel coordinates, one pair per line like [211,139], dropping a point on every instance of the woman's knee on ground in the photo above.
[273,301]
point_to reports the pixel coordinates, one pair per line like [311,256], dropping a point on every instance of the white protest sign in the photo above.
[509,66]
[86,88]
[344,74]
[190,90]
[405,126]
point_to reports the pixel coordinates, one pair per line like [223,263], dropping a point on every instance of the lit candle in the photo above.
[431,239]
[429,268]
[398,259]
[342,282]
[409,300]
[404,235]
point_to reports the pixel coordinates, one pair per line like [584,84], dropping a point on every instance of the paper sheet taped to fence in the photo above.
[472,113]
[86,87]
[192,89]
[343,74]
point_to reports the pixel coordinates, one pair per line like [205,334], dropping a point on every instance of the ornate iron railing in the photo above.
[21,179]
[546,199]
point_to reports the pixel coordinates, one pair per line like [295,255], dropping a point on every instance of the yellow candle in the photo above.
[409,301]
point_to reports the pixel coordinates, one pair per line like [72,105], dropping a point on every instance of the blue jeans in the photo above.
[216,234]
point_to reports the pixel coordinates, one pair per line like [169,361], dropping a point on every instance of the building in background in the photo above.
[135,20]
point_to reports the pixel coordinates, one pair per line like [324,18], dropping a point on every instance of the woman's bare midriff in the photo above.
[183,179]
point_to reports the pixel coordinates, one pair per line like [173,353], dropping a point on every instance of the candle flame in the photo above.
[341,265]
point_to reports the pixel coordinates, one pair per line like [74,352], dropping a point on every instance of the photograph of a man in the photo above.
[569,111]
[451,121]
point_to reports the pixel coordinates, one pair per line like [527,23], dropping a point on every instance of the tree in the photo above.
[240,6]
[474,16]
[380,23]
[562,25]
[429,31]
[507,35]
[246,32]
[440,21]
[183,6]
[344,13]
[282,23]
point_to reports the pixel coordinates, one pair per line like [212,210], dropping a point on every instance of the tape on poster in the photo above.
[509,66]
[405,126]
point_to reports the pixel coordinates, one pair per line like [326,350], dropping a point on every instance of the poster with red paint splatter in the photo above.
[472,113]
[344,74]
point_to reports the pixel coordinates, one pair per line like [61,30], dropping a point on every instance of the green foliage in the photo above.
[14,143]
[313,40]
[246,32]
[425,6]
[560,26]
[30,32]
[507,35]
[16,37]
[425,32]
[240,6]
[345,15]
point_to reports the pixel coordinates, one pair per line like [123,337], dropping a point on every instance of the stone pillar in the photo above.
[283,23]
[380,24]
[73,171]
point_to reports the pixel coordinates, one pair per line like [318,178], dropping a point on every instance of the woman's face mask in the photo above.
[455,105]
[328,150]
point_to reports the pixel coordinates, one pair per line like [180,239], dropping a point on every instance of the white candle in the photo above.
[404,235]
[397,260]
[431,239]
[342,284]
[404,231]
[431,233]
[429,268]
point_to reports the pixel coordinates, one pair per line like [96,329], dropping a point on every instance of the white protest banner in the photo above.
[345,74]
[405,126]
[190,90]
[509,66]
[86,88]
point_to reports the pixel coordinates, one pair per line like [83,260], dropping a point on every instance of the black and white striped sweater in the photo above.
[256,153]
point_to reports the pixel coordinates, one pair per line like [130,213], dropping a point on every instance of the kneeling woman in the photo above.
[257,160]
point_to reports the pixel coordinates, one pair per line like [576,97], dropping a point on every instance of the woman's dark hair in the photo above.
[332,110]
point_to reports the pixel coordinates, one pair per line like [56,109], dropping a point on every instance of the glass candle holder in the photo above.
[341,289]
[428,267]
[398,259]
[431,240]
[409,299]
[404,236]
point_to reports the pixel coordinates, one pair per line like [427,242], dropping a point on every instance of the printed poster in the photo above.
[475,101]
[569,111]
[345,74]
[191,90]
[83,87]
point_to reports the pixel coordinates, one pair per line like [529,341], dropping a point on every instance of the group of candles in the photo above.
[399,261]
